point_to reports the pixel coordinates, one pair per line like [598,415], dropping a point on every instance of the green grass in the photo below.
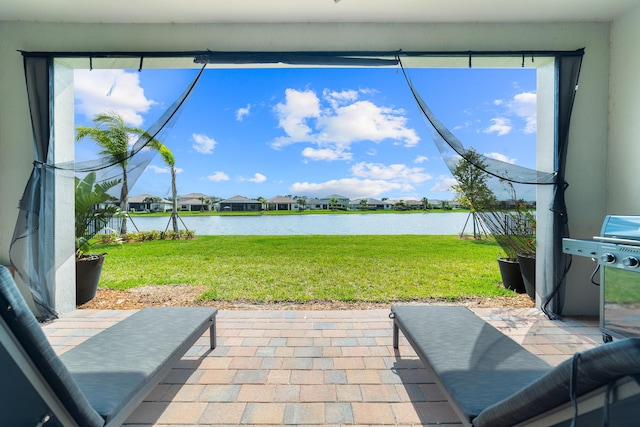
[380,268]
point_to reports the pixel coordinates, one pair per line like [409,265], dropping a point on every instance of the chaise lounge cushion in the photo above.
[476,363]
[596,368]
[27,330]
[113,366]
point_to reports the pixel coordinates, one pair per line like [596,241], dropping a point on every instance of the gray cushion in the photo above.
[478,364]
[25,327]
[111,367]
[596,368]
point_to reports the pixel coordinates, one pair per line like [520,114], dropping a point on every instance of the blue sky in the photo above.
[315,132]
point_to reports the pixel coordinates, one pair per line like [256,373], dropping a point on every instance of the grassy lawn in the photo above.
[380,268]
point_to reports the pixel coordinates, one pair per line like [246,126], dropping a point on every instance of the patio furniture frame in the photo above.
[490,380]
[98,382]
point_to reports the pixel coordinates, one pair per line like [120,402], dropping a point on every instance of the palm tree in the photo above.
[150,201]
[302,203]
[425,203]
[400,205]
[169,160]
[205,202]
[263,202]
[112,136]
[333,202]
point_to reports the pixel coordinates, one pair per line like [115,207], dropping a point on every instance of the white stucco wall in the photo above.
[587,157]
[623,180]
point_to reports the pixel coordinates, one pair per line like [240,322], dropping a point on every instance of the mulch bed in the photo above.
[186,295]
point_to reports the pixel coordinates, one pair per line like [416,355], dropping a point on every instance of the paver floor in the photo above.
[313,367]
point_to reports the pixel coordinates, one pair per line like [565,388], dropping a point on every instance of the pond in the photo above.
[327,224]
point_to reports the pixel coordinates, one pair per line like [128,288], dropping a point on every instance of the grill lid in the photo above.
[620,229]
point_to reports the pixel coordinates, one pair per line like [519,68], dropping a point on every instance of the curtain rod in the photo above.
[394,53]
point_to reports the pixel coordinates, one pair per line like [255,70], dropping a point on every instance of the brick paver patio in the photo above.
[313,367]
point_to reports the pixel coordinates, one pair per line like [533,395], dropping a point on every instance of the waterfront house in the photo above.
[281,203]
[147,202]
[239,204]
[341,202]
[370,203]
[314,204]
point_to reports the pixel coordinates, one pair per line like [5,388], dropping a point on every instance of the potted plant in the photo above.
[513,225]
[92,214]
[499,222]
[527,247]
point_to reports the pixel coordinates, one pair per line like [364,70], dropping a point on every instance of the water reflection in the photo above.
[414,223]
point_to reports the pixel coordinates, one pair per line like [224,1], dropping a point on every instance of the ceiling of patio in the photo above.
[287,11]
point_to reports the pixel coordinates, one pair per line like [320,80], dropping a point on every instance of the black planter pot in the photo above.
[88,271]
[511,275]
[528,268]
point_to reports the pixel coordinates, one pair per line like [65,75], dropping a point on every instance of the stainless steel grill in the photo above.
[617,253]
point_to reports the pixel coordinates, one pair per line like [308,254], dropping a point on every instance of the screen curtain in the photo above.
[32,248]
[556,263]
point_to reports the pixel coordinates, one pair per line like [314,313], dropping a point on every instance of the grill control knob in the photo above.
[608,258]
[631,262]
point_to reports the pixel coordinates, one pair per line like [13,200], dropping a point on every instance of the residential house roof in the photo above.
[142,197]
[239,199]
[281,200]
[193,196]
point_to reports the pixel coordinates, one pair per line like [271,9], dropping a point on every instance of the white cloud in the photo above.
[444,184]
[158,169]
[339,98]
[327,154]
[395,172]
[257,178]
[524,105]
[365,121]
[349,187]
[100,91]
[218,176]
[420,159]
[465,125]
[501,157]
[203,144]
[162,170]
[294,113]
[369,180]
[501,126]
[242,112]
[345,121]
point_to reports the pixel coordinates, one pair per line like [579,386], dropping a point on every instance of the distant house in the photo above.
[194,205]
[343,202]
[414,204]
[281,203]
[370,203]
[314,204]
[147,202]
[239,204]
[194,202]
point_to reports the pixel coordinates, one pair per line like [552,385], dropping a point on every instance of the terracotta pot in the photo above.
[88,271]
[511,275]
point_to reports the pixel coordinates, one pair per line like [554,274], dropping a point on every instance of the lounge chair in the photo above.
[99,382]
[492,381]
